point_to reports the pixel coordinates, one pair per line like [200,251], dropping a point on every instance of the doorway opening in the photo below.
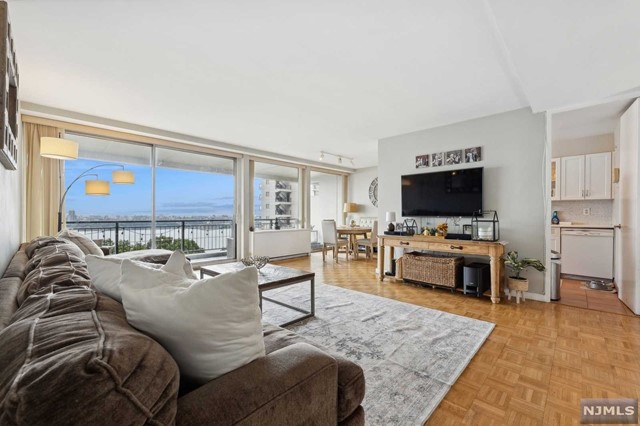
[593,196]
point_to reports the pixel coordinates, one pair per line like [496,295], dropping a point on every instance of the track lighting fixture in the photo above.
[338,156]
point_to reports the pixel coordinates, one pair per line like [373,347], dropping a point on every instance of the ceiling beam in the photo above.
[507,63]
[107,123]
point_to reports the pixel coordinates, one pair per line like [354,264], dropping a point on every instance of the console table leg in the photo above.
[380,259]
[495,279]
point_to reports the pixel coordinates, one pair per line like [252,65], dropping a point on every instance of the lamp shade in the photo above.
[350,207]
[96,187]
[391,216]
[60,149]
[122,177]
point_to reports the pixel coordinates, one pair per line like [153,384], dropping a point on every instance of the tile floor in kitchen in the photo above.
[573,293]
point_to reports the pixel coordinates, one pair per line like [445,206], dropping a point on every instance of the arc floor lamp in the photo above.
[64,149]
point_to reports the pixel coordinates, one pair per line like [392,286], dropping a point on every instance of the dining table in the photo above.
[352,233]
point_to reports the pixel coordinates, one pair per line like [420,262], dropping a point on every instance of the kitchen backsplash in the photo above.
[572,211]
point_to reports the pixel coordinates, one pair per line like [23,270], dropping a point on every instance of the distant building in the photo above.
[71,216]
[277,199]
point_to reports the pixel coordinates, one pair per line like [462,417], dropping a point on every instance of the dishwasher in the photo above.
[587,252]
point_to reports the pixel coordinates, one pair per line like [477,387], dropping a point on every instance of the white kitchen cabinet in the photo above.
[597,176]
[556,178]
[586,177]
[572,182]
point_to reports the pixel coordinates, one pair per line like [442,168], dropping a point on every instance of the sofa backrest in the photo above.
[68,353]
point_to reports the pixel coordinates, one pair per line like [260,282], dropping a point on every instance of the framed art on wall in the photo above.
[437,159]
[473,155]
[422,161]
[453,157]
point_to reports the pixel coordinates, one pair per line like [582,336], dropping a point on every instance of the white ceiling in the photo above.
[298,77]
[567,52]
[590,121]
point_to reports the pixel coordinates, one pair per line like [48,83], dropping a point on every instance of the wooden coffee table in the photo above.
[271,277]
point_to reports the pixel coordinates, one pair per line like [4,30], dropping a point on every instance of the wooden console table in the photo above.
[493,250]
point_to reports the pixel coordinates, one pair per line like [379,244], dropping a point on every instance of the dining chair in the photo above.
[330,240]
[369,243]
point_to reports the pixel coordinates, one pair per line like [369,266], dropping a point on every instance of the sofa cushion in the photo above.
[8,305]
[49,250]
[10,284]
[58,267]
[69,355]
[83,242]
[37,243]
[351,383]
[17,264]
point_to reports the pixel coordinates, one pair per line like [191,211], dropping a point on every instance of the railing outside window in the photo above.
[211,237]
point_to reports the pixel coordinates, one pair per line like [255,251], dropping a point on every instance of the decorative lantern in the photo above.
[485,226]
[410,227]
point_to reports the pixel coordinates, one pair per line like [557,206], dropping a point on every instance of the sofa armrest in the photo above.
[294,385]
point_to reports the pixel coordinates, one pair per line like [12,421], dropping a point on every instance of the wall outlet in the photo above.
[586,211]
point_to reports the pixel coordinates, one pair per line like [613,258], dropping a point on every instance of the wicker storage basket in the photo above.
[432,269]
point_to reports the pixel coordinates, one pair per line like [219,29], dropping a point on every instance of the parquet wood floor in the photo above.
[540,360]
[573,293]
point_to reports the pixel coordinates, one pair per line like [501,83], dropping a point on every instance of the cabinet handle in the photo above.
[456,247]
[404,243]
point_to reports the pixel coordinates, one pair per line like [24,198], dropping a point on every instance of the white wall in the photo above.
[580,146]
[10,212]
[513,152]
[359,183]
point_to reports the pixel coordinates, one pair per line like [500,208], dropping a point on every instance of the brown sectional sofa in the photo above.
[68,356]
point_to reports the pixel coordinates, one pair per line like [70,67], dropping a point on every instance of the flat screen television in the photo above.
[448,193]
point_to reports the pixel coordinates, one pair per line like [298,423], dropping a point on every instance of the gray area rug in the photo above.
[410,355]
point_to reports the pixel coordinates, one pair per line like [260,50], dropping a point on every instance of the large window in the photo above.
[195,203]
[194,199]
[120,221]
[276,196]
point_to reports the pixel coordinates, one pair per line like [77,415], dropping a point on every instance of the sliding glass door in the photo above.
[326,203]
[195,203]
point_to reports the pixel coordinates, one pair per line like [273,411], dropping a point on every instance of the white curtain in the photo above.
[43,183]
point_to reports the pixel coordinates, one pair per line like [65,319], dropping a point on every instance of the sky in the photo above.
[178,192]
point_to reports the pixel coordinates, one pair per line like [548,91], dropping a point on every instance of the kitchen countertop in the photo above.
[583,225]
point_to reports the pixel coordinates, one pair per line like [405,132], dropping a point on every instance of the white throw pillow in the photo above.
[209,326]
[179,264]
[105,272]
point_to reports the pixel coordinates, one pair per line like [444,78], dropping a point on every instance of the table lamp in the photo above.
[391,218]
[350,208]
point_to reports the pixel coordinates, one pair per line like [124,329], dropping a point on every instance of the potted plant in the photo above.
[517,265]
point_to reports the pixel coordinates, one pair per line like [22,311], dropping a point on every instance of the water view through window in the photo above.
[194,199]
